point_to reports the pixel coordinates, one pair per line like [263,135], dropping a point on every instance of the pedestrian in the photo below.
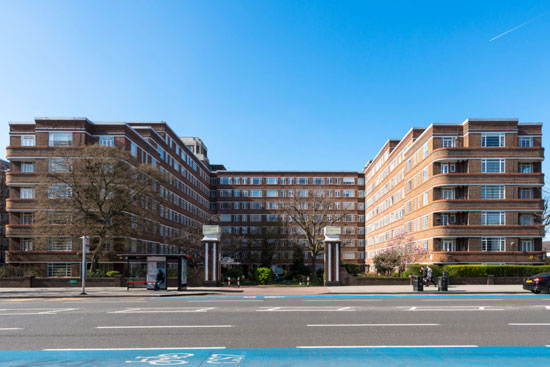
[423,274]
[160,279]
[429,277]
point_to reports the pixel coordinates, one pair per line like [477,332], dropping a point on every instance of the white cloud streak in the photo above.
[518,27]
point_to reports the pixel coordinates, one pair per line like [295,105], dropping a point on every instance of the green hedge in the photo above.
[414,269]
[263,275]
[466,271]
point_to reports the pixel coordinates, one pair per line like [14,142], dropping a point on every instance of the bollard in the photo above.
[229,281]
[307,284]
[238,282]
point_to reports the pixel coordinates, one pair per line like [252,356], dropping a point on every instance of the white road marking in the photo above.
[163,348]
[164,310]
[529,324]
[358,325]
[461,300]
[162,326]
[383,346]
[10,328]
[33,311]
[227,300]
[306,309]
[339,300]
[451,308]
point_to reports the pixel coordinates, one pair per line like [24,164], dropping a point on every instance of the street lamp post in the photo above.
[85,244]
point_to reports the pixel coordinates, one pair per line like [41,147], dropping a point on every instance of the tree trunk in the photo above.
[96,254]
[313,272]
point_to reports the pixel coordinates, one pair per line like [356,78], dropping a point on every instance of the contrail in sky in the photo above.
[518,27]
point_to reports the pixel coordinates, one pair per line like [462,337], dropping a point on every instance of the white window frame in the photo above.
[499,136]
[488,218]
[447,194]
[485,192]
[448,142]
[527,244]
[27,167]
[487,161]
[107,141]
[28,140]
[59,268]
[500,245]
[26,193]
[54,141]
[528,139]
[448,245]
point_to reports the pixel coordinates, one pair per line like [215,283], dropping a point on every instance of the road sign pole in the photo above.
[83,265]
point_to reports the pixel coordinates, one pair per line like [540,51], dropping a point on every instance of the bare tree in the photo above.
[102,192]
[311,211]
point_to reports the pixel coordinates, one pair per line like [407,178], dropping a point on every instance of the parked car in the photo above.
[537,283]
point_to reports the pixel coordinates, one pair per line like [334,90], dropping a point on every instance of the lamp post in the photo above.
[85,249]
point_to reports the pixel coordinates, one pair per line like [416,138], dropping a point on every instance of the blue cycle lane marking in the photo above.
[344,296]
[288,357]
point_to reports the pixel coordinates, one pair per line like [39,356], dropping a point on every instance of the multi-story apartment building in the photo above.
[248,201]
[4,167]
[185,196]
[466,193]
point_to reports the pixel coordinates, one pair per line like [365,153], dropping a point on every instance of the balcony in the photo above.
[511,257]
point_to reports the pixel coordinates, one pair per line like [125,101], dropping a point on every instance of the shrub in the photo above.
[263,275]
[235,272]
[320,273]
[95,274]
[414,269]
[467,271]
[112,273]
[353,269]
[10,271]
[170,273]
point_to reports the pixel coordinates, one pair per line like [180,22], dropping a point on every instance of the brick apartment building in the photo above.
[466,193]
[250,200]
[4,168]
[185,204]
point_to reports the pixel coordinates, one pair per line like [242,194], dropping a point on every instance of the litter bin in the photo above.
[418,283]
[443,284]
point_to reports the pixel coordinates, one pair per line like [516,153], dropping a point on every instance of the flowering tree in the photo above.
[401,252]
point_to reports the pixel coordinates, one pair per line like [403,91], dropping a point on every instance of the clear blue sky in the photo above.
[277,85]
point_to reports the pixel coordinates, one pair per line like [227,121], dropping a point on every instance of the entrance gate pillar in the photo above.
[212,253]
[332,255]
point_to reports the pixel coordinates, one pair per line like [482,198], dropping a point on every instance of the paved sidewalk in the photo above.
[254,291]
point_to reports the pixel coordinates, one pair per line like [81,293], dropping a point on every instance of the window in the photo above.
[493,244]
[349,181]
[452,167]
[107,141]
[60,244]
[26,218]
[225,217]
[303,193]
[527,244]
[256,193]
[255,205]
[61,139]
[255,217]
[493,218]
[318,181]
[271,180]
[133,150]
[348,193]
[525,141]
[525,193]
[255,180]
[492,192]
[447,142]
[444,219]
[425,198]
[444,167]
[59,165]
[492,140]
[28,141]
[525,168]
[425,150]
[27,244]
[59,191]
[425,174]
[225,180]
[27,167]
[302,180]
[492,165]
[526,219]
[425,222]
[27,193]
[59,270]
[448,245]
[447,194]
[271,193]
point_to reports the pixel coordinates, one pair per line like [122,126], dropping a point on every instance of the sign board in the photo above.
[73,281]
[211,232]
[332,233]
[156,272]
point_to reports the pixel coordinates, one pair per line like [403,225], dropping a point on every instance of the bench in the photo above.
[137,282]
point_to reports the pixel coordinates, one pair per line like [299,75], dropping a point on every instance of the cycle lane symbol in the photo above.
[164,359]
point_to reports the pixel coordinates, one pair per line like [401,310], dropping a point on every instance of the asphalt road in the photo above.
[316,321]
